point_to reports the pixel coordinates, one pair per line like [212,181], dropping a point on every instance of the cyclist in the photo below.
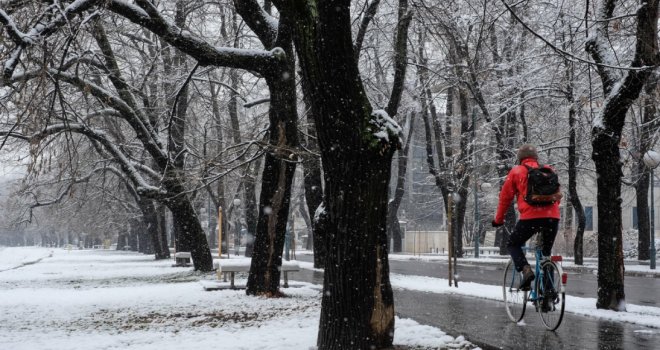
[533,218]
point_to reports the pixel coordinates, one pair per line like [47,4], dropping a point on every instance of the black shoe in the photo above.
[527,278]
[546,306]
[549,301]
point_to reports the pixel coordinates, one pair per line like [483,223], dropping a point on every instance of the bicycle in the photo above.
[547,293]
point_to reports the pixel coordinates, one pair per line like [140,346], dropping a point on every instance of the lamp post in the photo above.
[652,160]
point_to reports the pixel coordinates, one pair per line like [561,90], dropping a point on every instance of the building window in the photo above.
[589,216]
[635,219]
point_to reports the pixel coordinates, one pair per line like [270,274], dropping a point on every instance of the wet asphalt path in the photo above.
[485,323]
[639,290]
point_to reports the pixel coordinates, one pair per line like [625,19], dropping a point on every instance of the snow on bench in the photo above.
[489,250]
[182,258]
[232,266]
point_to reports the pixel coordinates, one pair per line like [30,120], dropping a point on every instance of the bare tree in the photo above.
[620,92]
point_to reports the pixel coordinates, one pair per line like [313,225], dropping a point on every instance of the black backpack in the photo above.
[542,186]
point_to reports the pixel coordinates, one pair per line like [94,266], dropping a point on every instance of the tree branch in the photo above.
[39,30]
[369,14]
[148,17]
[400,58]
[261,23]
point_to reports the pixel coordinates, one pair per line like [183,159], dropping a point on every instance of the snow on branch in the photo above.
[40,30]
[369,14]
[621,90]
[598,45]
[606,63]
[127,166]
[15,34]
[263,24]
[69,185]
[147,16]
[146,135]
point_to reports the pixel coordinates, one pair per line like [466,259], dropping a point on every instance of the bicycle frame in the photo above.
[516,299]
[540,274]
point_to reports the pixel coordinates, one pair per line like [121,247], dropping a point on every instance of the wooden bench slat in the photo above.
[243,265]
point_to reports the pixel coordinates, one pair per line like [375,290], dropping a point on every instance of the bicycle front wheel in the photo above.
[551,295]
[515,299]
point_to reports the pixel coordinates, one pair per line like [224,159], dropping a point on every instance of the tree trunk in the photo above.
[122,241]
[394,229]
[647,130]
[219,200]
[251,210]
[191,235]
[162,230]
[573,196]
[152,227]
[313,182]
[357,305]
[643,217]
[620,92]
[276,181]
[461,171]
[606,156]
[357,309]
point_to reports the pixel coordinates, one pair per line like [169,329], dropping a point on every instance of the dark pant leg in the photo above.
[549,228]
[523,231]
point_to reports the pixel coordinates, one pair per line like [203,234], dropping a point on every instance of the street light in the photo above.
[652,160]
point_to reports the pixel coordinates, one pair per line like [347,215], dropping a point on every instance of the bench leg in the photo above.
[232,280]
[286,280]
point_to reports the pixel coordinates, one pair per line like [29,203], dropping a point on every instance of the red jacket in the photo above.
[516,185]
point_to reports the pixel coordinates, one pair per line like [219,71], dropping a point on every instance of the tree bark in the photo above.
[251,208]
[572,190]
[573,197]
[646,132]
[357,309]
[277,179]
[394,233]
[620,92]
[152,227]
[313,181]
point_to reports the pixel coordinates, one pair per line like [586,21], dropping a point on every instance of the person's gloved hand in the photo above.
[496,224]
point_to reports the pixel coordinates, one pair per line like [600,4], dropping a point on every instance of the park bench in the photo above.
[482,250]
[232,266]
[182,259]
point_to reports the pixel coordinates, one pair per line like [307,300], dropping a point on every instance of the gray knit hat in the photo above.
[527,151]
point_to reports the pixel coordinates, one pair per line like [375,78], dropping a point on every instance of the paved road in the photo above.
[639,290]
[484,322]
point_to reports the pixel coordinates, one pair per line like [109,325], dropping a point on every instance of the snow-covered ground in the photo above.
[11,258]
[95,299]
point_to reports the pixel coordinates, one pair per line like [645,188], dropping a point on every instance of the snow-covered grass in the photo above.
[11,258]
[58,299]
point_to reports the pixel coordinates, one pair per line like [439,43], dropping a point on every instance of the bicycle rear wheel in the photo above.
[515,299]
[551,295]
